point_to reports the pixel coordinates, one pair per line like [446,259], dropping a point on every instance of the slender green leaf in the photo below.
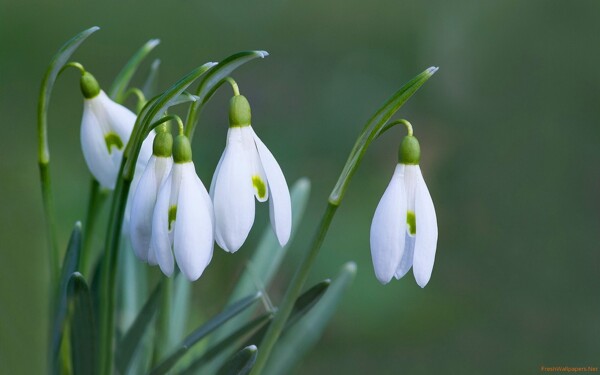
[70,262]
[117,90]
[150,87]
[213,79]
[241,363]
[372,128]
[298,339]
[54,69]
[83,327]
[127,347]
[203,331]
[182,292]
[228,342]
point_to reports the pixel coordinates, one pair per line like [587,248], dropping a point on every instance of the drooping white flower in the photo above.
[105,130]
[404,229]
[182,221]
[247,170]
[145,192]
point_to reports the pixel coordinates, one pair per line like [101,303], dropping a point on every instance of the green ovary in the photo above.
[411,221]
[172,215]
[259,186]
[113,140]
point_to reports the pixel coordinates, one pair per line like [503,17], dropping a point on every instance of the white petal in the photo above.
[233,195]
[103,166]
[193,240]
[427,233]
[143,202]
[120,119]
[389,227]
[160,243]
[280,205]
[258,177]
[407,258]
[214,178]
[145,151]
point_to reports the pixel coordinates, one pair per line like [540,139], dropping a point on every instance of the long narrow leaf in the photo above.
[241,363]
[372,128]
[224,344]
[117,90]
[213,80]
[83,327]
[70,262]
[127,347]
[150,86]
[203,331]
[298,339]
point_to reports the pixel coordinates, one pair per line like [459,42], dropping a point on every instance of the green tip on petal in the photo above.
[182,150]
[89,86]
[163,144]
[239,111]
[172,215]
[410,151]
[259,186]
[411,222]
[113,140]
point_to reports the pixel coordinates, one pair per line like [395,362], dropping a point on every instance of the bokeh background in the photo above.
[509,129]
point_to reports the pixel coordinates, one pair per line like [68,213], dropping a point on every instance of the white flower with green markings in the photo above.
[247,170]
[404,229]
[182,221]
[143,198]
[105,130]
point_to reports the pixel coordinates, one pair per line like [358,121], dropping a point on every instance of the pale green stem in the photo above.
[95,203]
[161,345]
[234,86]
[389,125]
[139,95]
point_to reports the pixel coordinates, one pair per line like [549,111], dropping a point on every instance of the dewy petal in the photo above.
[389,227]
[143,202]
[160,242]
[427,233]
[280,205]
[233,195]
[193,240]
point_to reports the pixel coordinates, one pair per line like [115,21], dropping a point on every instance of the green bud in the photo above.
[410,151]
[182,150]
[163,144]
[89,86]
[239,111]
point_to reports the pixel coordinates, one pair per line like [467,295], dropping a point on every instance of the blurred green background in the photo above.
[509,135]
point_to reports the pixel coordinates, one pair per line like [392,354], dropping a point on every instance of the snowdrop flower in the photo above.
[105,130]
[143,198]
[182,221]
[247,169]
[404,229]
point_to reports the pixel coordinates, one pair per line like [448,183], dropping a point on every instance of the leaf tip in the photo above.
[432,69]
[350,267]
[153,43]
[262,54]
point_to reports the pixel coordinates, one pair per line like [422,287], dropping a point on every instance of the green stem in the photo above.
[234,86]
[48,200]
[96,200]
[162,343]
[293,290]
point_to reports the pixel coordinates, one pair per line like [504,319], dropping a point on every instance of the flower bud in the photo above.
[163,144]
[239,111]
[89,86]
[410,151]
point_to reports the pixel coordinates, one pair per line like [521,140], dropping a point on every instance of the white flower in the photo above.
[105,130]
[182,219]
[247,169]
[404,229]
[142,205]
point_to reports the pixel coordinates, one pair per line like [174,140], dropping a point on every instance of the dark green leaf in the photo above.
[241,363]
[203,331]
[83,327]
[306,301]
[117,90]
[225,344]
[60,301]
[299,338]
[126,348]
